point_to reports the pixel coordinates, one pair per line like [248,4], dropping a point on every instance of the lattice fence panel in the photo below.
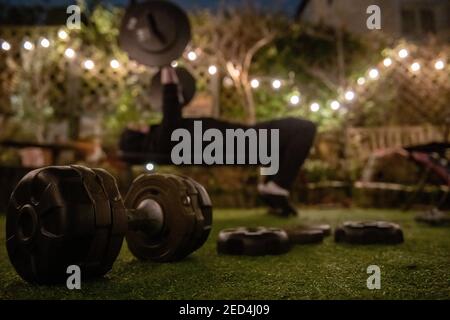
[71,89]
[423,94]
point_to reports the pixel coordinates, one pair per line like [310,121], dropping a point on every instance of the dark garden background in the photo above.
[67,94]
[368,90]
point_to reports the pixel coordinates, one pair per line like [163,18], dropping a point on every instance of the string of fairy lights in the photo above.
[344,95]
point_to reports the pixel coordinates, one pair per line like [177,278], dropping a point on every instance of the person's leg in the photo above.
[296,138]
[300,138]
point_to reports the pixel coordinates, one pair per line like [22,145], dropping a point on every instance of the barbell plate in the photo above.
[203,207]
[253,241]
[179,218]
[369,232]
[50,225]
[99,246]
[118,217]
[155,33]
[305,236]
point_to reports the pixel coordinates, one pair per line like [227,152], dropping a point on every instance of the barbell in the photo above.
[72,215]
[155,33]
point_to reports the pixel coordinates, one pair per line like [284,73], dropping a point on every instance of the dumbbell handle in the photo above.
[148,217]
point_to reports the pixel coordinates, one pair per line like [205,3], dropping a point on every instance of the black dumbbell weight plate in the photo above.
[304,235]
[369,232]
[326,228]
[253,241]
[171,195]
[202,205]
[119,223]
[434,217]
[51,224]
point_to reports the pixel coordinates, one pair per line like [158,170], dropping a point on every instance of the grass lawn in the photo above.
[417,269]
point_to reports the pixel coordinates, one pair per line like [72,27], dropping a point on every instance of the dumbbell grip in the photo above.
[142,220]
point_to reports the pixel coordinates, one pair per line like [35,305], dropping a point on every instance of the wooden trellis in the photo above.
[74,88]
[424,92]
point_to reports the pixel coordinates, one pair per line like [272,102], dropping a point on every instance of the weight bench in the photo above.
[430,158]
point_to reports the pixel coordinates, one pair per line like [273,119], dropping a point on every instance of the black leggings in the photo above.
[296,135]
[296,139]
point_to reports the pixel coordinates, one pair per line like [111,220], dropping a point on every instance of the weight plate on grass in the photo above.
[155,32]
[56,218]
[173,241]
[253,241]
[187,85]
[369,232]
[434,217]
[303,235]
[326,228]
[202,206]
[119,222]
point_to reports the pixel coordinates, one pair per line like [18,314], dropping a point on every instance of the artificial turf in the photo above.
[417,269]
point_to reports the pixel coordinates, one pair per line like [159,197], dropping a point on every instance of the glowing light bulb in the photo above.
[69,53]
[387,62]
[315,107]
[114,64]
[254,83]
[415,67]
[89,64]
[361,81]
[174,64]
[439,65]
[192,56]
[27,45]
[403,53]
[212,70]
[373,73]
[6,46]
[276,84]
[149,166]
[349,95]
[294,100]
[45,43]
[62,34]
[335,105]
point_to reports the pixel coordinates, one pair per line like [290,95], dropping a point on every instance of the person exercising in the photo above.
[296,138]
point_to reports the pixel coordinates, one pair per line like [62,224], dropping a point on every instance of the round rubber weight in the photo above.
[369,232]
[305,235]
[55,219]
[434,217]
[253,241]
[119,222]
[326,229]
[172,194]
[202,206]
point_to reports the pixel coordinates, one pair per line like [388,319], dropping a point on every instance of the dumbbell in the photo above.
[72,215]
